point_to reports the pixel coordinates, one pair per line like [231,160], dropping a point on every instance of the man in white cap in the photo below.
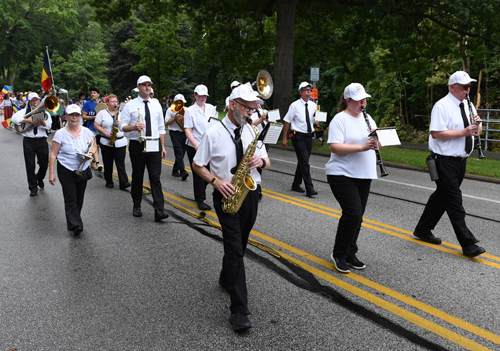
[196,122]
[300,117]
[218,156]
[148,152]
[34,142]
[451,141]
[175,122]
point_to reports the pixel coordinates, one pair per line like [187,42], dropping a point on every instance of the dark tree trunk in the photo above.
[283,59]
[10,69]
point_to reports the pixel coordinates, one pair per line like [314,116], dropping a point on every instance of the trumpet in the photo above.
[84,157]
[142,132]
[477,139]
[380,163]
[178,107]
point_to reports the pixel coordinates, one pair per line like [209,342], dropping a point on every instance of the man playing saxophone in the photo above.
[222,148]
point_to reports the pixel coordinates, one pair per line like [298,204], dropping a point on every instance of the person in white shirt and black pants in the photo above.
[217,158]
[196,122]
[34,144]
[300,117]
[154,131]
[178,138]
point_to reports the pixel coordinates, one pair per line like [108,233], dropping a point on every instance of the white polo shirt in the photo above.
[296,115]
[198,121]
[218,150]
[131,111]
[446,115]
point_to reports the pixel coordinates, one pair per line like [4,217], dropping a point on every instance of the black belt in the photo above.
[456,158]
[300,133]
[102,136]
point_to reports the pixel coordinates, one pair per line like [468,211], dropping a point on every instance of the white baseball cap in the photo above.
[201,90]
[73,109]
[356,92]
[143,79]
[245,92]
[235,84]
[303,85]
[460,77]
[179,97]
[152,90]
[32,96]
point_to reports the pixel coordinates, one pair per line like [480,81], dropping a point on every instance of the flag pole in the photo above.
[50,67]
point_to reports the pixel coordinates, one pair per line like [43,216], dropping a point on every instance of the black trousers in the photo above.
[235,231]
[73,194]
[140,160]
[199,185]
[447,197]
[35,147]
[303,146]
[352,195]
[179,144]
[110,154]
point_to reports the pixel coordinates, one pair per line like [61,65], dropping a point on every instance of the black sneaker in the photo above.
[428,238]
[240,321]
[355,263]
[340,264]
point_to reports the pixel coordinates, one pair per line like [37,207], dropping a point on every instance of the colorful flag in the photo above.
[46,73]
[6,123]
[5,89]
[16,108]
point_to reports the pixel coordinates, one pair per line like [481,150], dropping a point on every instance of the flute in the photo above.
[477,139]
[380,163]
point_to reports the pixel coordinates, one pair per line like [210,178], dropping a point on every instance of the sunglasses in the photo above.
[464,87]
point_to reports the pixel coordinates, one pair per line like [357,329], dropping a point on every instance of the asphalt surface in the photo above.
[132,284]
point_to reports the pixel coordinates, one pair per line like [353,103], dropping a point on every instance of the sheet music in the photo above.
[273,115]
[320,116]
[273,133]
[388,136]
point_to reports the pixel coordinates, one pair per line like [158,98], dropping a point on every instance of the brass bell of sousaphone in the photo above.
[263,84]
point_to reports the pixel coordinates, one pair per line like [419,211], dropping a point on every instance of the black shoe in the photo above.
[41,184]
[160,214]
[311,193]
[355,263]
[125,186]
[340,264]
[203,206]
[34,191]
[428,237]
[110,185]
[77,230]
[176,174]
[137,211]
[240,321]
[473,250]
[298,189]
[185,175]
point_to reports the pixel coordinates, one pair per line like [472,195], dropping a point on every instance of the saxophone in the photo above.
[242,181]
[114,130]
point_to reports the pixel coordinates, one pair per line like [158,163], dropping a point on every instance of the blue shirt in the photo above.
[89,107]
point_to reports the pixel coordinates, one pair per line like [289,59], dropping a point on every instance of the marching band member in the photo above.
[178,138]
[220,151]
[350,170]
[34,144]
[196,122]
[88,115]
[106,123]
[153,127]
[66,144]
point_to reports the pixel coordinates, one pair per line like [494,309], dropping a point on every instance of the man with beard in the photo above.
[35,143]
[219,153]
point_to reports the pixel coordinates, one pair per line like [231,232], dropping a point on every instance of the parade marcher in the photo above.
[221,150]
[66,144]
[451,141]
[113,143]
[88,116]
[6,106]
[300,117]
[178,137]
[34,143]
[196,122]
[350,170]
[153,127]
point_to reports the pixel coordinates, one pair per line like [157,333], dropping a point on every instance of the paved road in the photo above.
[132,284]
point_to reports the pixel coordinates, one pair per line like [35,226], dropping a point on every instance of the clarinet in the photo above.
[477,139]
[380,163]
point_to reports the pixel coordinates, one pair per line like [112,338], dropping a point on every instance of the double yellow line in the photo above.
[210,217]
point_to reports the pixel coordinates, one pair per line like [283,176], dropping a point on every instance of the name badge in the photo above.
[152,145]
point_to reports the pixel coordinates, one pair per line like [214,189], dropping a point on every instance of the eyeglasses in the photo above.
[465,87]
[307,90]
[247,109]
